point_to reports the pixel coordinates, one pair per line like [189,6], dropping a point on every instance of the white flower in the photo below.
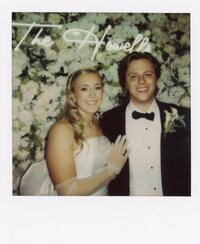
[156,53]
[46,103]
[24,142]
[106,104]
[107,58]
[159,36]
[62,44]
[170,49]
[26,119]
[112,91]
[43,99]
[30,18]
[116,16]
[111,73]
[44,127]
[20,34]
[184,23]
[66,55]
[54,67]
[54,18]
[147,33]
[16,124]
[173,26]
[84,24]
[16,83]
[23,154]
[183,61]
[61,82]
[80,65]
[33,73]
[29,90]
[16,141]
[158,20]
[18,105]
[50,92]
[173,95]
[138,18]
[19,62]
[176,91]
[100,57]
[124,31]
[39,155]
[184,75]
[171,120]
[40,113]
[185,102]
[49,76]
[185,40]
[51,54]
[97,18]
[166,76]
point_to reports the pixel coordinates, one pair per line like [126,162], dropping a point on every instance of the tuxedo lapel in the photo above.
[113,124]
[175,157]
[162,117]
[121,120]
[162,146]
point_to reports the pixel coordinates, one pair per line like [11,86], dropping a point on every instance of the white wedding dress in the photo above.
[93,156]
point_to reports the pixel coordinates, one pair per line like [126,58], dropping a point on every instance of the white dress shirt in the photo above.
[144,160]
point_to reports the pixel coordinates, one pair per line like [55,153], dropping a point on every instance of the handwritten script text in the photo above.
[83,37]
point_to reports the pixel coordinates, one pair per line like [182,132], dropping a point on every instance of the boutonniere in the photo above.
[172,121]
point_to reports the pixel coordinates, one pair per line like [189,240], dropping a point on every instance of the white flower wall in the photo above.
[42,63]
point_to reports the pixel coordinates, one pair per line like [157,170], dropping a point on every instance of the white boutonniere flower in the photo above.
[172,121]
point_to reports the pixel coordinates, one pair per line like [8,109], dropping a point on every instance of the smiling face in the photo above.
[141,83]
[88,93]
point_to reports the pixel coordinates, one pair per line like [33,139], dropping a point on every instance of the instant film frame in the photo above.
[105,219]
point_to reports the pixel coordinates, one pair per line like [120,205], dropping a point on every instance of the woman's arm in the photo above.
[61,163]
[59,154]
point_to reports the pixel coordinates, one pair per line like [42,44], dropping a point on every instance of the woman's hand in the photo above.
[118,154]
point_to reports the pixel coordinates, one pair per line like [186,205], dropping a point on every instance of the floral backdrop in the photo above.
[43,60]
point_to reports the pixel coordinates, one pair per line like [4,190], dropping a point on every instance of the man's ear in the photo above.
[156,89]
[125,90]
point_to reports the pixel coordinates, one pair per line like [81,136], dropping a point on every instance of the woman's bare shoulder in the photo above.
[61,128]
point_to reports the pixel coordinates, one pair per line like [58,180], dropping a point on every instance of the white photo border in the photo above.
[95,220]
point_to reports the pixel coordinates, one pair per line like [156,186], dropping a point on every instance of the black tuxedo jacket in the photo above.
[175,152]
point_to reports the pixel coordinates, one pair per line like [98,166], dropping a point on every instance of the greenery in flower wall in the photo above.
[48,47]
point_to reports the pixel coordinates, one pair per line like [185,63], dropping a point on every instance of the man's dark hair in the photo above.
[123,66]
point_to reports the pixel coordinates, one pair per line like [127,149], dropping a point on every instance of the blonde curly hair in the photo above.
[70,111]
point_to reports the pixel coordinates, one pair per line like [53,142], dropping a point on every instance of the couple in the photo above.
[146,157]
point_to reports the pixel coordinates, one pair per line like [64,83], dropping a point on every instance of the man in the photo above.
[158,134]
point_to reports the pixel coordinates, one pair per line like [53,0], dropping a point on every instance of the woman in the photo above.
[80,159]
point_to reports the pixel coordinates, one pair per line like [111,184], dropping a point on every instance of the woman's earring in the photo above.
[73,101]
[97,114]
[75,105]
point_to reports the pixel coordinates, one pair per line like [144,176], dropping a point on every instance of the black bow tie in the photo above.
[138,115]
